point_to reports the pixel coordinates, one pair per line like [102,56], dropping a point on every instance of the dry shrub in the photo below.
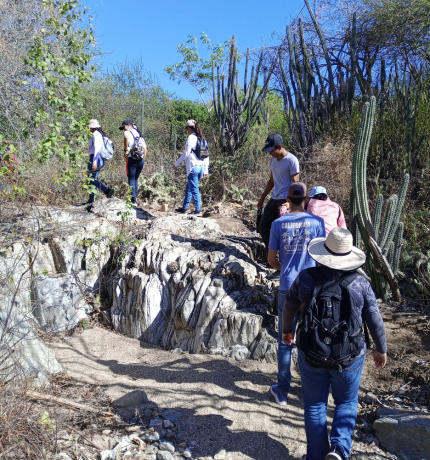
[33,429]
[330,166]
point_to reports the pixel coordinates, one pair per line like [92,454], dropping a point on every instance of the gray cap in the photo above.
[273,141]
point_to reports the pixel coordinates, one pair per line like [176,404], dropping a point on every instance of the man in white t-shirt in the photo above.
[284,169]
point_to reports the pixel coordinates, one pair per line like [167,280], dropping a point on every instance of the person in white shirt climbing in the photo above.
[95,162]
[196,168]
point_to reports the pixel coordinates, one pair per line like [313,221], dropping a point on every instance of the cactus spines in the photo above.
[377,215]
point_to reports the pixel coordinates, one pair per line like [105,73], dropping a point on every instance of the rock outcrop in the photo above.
[184,285]
[189,287]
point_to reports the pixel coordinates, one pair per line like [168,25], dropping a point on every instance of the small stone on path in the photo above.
[220,455]
[171,415]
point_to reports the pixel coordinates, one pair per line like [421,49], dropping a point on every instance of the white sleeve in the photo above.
[142,140]
[98,144]
[206,165]
[180,160]
[187,151]
[128,136]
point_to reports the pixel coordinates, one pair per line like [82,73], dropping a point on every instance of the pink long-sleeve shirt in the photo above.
[330,211]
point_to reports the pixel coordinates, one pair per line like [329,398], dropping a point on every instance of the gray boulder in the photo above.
[405,434]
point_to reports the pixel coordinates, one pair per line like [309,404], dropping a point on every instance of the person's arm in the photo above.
[145,149]
[125,145]
[270,184]
[341,219]
[295,170]
[272,259]
[375,323]
[186,153]
[274,245]
[93,144]
[289,311]
[295,177]
[206,166]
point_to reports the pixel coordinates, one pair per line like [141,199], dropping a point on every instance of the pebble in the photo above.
[132,429]
[358,435]
[165,455]
[170,435]
[370,398]
[167,446]
[152,437]
[187,453]
[220,454]
[168,424]
[183,444]
[106,432]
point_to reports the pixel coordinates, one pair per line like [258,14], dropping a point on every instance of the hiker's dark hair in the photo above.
[198,131]
[296,201]
[320,196]
[134,126]
[102,132]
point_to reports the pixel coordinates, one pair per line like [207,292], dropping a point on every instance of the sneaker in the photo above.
[196,213]
[335,454]
[280,398]
[274,276]
[181,211]
[110,192]
[133,202]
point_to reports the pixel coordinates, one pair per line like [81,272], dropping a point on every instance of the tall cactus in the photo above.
[380,269]
[237,109]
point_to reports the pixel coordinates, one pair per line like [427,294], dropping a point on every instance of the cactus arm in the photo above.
[388,220]
[398,239]
[397,213]
[377,215]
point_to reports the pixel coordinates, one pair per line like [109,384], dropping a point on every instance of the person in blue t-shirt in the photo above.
[290,235]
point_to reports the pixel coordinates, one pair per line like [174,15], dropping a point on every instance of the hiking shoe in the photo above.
[133,202]
[335,454]
[181,211]
[274,276]
[196,213]
[110,192]
[280,398]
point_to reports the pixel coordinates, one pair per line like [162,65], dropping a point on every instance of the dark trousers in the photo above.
[134,168]
[270,214]
[94,175]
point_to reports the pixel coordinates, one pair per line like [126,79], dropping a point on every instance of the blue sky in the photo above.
[153,29]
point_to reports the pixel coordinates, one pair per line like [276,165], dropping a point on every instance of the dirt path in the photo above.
[225,404]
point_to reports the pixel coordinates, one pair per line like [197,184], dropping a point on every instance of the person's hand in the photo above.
[288,338]
[260,203]
[126,152]
[175,168]
[380,359]
[205,176]
[94,166]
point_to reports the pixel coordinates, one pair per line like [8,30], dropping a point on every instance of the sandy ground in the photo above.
[225,404]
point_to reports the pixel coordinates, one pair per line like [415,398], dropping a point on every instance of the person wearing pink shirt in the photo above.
[320,205]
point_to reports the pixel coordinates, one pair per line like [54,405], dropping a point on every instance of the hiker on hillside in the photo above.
[320,205]
[134,158]
[284,169]
[333,301]
[95,162]
[196,169]
[290,236]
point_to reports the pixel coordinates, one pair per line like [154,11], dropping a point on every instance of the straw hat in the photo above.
[337,251]
[94,124]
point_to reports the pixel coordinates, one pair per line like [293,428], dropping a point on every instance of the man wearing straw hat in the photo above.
[325,324]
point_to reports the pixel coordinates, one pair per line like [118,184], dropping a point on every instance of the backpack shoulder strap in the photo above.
[317,275]
[346,279]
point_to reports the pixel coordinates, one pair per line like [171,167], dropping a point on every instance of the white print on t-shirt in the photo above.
[297,240]
[296,225]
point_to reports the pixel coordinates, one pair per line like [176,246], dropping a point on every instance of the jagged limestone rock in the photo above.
[190,287]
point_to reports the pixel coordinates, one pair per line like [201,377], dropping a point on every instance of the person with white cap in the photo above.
[334,301]
[96,162]
[196,169]
[320,205]
[290,235]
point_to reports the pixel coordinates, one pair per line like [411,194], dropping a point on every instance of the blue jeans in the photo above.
[192,190]
[344,388]
[94,175]
[284,351]
[134,168]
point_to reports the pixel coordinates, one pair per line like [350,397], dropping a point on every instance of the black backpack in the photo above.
[137,150]
[329,331]
[202,149]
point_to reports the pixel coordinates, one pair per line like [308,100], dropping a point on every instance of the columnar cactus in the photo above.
[236,109]
[383,250]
